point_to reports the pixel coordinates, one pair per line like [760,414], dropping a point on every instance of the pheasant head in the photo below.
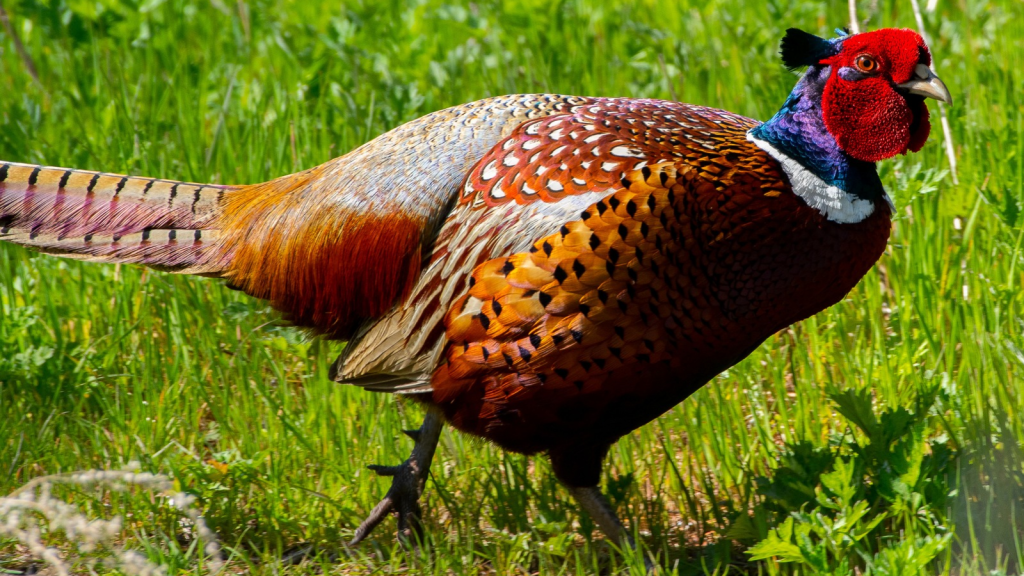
[874,100]
[873,90]
[861,100]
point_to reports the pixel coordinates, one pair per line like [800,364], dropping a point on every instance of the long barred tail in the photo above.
[321,256]
[112,218]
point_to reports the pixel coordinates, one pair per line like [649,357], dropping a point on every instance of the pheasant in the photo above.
[546,272]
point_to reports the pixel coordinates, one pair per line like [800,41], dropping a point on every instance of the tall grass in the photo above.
[102,365]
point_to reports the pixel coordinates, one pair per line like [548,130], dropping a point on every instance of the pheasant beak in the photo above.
[926,83]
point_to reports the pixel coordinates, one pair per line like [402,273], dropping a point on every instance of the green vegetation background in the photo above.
[101,365]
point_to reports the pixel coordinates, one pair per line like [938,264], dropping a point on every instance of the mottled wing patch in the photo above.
[607,290]
[547,159]
[593,147]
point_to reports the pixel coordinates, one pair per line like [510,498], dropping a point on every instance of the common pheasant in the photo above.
[546,272]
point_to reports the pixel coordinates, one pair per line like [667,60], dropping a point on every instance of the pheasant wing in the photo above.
[615,287]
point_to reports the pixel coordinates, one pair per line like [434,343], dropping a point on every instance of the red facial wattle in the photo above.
[871,121]
[869,118]
[921,126]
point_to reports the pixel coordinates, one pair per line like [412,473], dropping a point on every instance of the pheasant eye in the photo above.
[866,63]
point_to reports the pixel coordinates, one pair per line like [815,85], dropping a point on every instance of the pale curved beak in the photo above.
[926,83]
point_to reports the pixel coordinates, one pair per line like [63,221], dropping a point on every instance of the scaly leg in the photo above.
[408,479]
[600,510]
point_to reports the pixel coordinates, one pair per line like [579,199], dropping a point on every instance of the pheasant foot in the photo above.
[408,480]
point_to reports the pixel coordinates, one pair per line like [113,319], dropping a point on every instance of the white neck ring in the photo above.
[832,202]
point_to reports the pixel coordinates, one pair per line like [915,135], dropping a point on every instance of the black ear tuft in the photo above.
[799,49]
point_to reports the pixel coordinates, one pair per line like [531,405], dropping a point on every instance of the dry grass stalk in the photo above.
[18,46]
[26,512]
[947,134]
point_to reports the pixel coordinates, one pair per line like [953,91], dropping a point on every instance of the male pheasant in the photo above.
[546,272]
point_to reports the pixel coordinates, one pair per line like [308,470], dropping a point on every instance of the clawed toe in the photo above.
[402,497]
[407,481]
[306,552]
[382,470]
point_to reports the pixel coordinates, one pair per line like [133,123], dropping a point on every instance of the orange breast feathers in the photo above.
[667,270]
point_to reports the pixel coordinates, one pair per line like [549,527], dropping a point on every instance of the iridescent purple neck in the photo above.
[798,130]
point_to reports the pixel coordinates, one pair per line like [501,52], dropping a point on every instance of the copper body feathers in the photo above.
[551,271]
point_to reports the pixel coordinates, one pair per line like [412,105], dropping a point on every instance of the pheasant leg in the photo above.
[408,479]
[600,510]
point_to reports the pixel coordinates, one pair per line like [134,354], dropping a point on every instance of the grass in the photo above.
[102,365]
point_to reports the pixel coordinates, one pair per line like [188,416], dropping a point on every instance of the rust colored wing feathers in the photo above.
[572,309]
